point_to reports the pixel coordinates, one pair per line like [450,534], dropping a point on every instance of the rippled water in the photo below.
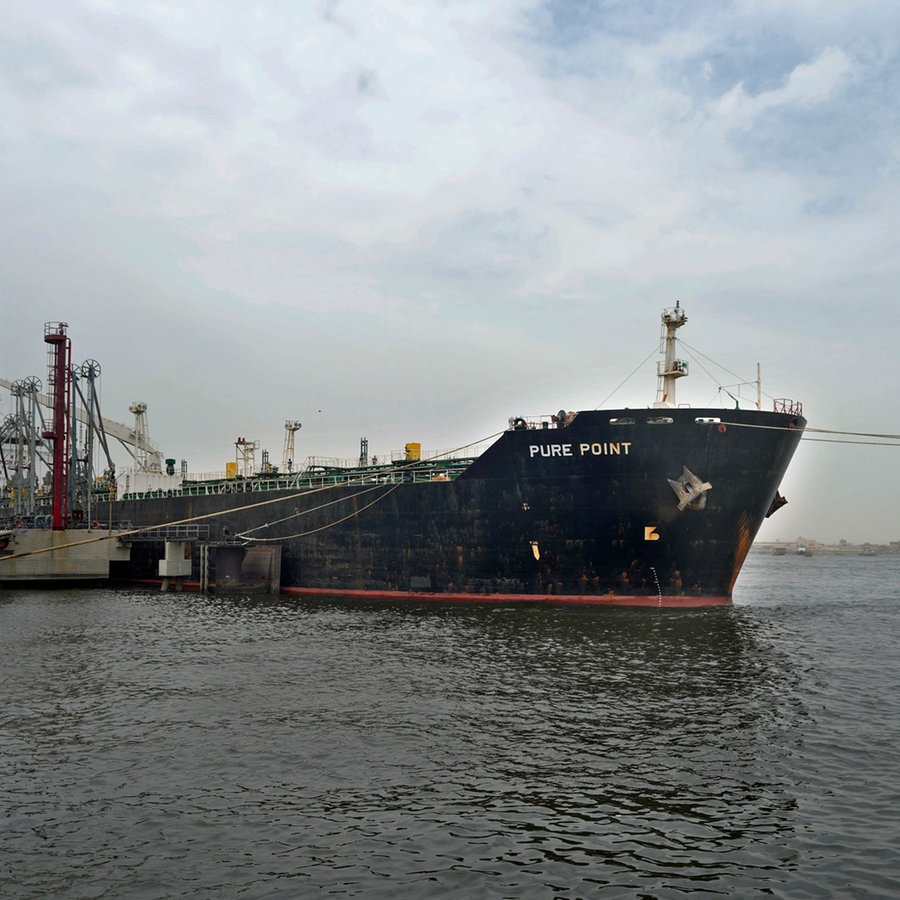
[162,745]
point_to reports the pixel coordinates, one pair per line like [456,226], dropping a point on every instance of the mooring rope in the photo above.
[356,512]
[245,535]
[884,440]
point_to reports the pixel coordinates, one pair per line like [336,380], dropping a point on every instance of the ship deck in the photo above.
[316,477]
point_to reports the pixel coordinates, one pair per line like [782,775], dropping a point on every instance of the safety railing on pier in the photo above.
[172,533]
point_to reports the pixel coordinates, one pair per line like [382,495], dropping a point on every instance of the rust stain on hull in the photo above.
[745,541]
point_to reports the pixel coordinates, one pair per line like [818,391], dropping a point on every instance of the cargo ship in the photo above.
[656,506]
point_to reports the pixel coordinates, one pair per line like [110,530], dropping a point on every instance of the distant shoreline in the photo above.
[813,547]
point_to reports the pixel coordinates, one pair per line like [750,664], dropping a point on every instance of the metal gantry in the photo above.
[47,463]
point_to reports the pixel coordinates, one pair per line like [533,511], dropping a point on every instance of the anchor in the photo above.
[690,490]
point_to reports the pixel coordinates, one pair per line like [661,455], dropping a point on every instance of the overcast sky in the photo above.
[411,220]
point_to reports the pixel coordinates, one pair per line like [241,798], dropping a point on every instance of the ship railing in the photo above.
[413,474]
[205,476]
[418,473]
[540,423]
[327,462]
[791,407]
[313,466]
[466,454]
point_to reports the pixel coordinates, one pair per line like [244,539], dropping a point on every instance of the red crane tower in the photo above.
[60,359]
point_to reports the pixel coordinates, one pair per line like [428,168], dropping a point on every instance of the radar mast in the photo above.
[669,369]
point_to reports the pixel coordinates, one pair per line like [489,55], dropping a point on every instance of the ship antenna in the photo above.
[669,369]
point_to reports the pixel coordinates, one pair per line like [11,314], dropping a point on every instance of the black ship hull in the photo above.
[652,507]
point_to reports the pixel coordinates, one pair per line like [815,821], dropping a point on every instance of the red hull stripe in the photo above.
[577,599]
[669,601]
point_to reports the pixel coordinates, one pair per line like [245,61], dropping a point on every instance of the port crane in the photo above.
[146,455]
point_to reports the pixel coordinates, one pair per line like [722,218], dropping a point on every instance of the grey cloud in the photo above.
[33,67]
[485,249]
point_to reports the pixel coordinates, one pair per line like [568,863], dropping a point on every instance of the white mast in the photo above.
[670,368]
[287,457]
[146,459]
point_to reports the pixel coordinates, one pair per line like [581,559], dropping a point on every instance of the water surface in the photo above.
[169,745]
